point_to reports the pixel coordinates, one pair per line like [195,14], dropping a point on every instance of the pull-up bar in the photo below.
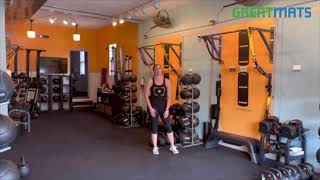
[144,50]
[214,50]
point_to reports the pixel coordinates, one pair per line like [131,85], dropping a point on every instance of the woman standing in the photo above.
[157,95]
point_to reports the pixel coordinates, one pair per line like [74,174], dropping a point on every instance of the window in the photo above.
[82,63]
[111,59]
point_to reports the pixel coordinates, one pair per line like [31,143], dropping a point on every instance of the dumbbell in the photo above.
[307,171]
[162,139]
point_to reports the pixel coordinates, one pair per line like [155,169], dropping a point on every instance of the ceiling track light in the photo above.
[121,20]
[52,20]
[114,23]
[65,22]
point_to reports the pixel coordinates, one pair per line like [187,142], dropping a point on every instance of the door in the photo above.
[79,69]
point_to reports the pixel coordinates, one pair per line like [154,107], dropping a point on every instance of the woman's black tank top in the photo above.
[158,97]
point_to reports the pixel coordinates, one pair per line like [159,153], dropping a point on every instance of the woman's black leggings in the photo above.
[155,122]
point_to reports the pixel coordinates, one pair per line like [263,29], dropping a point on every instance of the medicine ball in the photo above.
[162,140]
[187,107]
[43,99]
[196,78]
[8,131]
[196,93]
[185,121]
[186,138]
[56,89]
[6,87]
[56,98]
[185,93]
[125,78]
[56,80]
[186,79]
[175,109]
[43,89]
[133,78]
[43,81]
[8,170]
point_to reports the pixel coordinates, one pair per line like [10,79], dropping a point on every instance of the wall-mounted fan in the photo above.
[161,19]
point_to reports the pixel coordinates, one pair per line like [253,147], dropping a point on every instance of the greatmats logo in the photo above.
[272,12]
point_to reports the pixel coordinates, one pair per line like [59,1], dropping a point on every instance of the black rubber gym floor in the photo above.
[87,146]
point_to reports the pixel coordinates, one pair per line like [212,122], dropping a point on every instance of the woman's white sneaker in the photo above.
[174,150]
[155,151]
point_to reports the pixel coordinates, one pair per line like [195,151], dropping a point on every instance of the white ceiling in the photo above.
[98,13]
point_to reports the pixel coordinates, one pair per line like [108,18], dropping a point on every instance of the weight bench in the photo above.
[250,143]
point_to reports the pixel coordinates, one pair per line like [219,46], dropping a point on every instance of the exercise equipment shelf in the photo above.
[58,92]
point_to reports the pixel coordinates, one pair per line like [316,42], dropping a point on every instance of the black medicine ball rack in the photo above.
[278,139]
[55,92]
[129,88]
[190,86]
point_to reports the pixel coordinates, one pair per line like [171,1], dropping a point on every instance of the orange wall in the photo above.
[126,37]
[58,45]
[159,55]
[92,40]
[235,119]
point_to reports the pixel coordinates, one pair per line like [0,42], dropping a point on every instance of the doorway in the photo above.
[79,69]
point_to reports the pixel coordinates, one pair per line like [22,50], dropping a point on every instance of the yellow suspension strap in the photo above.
[166,58]
[260,70]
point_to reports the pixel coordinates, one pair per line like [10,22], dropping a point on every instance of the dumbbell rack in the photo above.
[285,145]
[191,100]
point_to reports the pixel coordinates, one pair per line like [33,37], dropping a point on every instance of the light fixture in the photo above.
[156,4]
[65,22]
[121,21]
[74,24]
[76,35]
[30,32]
[52,20]
[114,23]
[129,17]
